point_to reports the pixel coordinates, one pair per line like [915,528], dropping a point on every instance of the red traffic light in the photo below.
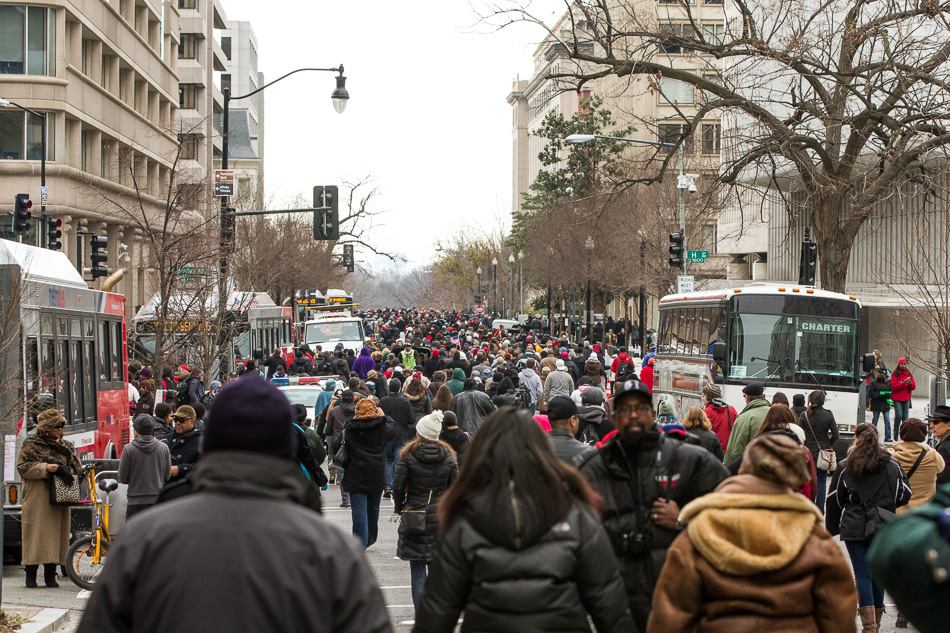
[55,223]
[28,204]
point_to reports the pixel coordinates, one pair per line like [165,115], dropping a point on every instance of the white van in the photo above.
[330,329]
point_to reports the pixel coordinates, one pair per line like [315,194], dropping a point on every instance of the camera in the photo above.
[636,543]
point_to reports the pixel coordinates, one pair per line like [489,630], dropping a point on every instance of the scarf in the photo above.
[44,449]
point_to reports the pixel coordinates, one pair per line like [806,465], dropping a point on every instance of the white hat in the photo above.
[429,427]
[560,364]
[593,356]
[798,431]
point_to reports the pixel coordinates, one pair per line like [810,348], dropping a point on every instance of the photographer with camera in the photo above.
[645,478]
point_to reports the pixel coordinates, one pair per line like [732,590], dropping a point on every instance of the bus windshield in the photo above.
[333,331]
[789,348]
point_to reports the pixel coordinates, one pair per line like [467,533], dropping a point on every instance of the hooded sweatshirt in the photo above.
[754,557]
[364,363]
[145,466]
[457,384]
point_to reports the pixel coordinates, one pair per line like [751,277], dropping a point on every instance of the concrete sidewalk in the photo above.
[39,620]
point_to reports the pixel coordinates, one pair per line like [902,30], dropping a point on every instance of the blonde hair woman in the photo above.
[697,423]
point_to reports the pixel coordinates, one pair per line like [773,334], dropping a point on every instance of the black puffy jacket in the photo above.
[421,407]
[365,444]
[422,475]
[666,469]
[509,572]
[708,440]
[850,497]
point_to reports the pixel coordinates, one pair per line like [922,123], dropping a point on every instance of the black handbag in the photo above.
[62,493]
[414,521]
[341,459]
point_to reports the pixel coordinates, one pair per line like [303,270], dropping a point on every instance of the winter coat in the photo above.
[745,427]
[399,408]
[595,370]
[558,383]
[659,460]
[421,477]
[565,446]
[900,392]
[145,466]
[754,557]
[300,365]
[850,496]
[505,395]
[943,447]
[549,362]
[722,417]
[647,376]
[364,364]
[342,369]
[532,382]
[471,407]
[421,407]
[146,405]
[434,364]
[272,363]
[457,383]
[622,359]
[459,440]
[594,424]
[923,483]
[823,422]
[879,391]
[366,447]
[338,417]
[243,502]
[708,440]
[510,572]
[184,451]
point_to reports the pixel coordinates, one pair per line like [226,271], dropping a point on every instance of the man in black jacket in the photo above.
[183,443]
[398,407]
[562,414]
[249,496]
[645,479]
[940,422]
[273,362]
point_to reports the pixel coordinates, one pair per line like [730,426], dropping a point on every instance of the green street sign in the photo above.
[697,256]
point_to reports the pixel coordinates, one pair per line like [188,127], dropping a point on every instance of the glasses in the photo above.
[628,409]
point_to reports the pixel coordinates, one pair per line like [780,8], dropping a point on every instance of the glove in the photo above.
[65,473]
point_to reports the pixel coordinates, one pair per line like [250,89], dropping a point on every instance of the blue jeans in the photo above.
[392,458]
[365,513]
[901,413]
[344,495]
[870,593]
[821,485]
[887,423]
[418,570]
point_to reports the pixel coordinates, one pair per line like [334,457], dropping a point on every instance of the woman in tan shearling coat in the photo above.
[45,528]
[754,556]
[923,479]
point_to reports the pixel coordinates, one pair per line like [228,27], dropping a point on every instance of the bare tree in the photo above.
[842,99]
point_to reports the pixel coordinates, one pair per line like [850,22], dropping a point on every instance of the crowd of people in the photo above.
[537,484]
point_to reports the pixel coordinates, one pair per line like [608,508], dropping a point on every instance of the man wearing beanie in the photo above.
[921,463]
[145,466]
[244,552]
[755,556]
[721,415]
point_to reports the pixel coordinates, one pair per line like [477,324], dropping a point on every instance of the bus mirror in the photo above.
[868,363]
[719,351]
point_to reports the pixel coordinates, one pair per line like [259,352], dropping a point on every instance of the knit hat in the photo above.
[798,400]
[913,430]
[143,424]
[449,420]
[251,415]
[665,407]
[776,458]
[592,395]
[366,410]
[429,427]
[712,392]
[593,356]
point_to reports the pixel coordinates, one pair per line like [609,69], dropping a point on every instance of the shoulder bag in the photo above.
[341,459]
[920,458]
[827,458]
[62,493]
[414,521]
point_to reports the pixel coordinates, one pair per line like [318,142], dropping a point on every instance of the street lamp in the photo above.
[511,283]
[589,245]
[521,280]
[478,290]
[494,277]
[6,104]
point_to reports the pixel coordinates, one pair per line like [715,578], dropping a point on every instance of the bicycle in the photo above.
[86,556]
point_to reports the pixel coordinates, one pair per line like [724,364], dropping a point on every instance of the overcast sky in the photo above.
[427,118]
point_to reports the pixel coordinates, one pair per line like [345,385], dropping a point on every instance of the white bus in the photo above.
[792,339]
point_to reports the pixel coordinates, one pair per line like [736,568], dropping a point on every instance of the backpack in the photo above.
[181,394]
[308,454]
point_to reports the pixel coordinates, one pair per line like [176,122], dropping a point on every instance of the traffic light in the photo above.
[326,215]
[21,213]
[348,262]
[53,233]
[809,263]
[677,249]
[99,257]
[227,229]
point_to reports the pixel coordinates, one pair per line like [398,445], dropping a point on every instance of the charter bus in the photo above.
[793,339]
[62,344]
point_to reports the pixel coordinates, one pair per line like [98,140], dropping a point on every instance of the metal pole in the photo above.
[643,300]
[44,242]
[511,289]
[590,336]
[683,211]
[521,283]
[550,318]
[494,291]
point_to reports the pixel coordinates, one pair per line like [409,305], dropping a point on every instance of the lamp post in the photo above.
[589,245]
[494,281]
[42,115]
[511,284]
[521,280]
[478,290]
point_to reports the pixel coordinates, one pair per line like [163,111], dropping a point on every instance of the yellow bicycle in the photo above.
[87,555]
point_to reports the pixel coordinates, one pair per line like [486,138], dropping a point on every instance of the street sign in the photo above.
[223,183]
[479,309]
[44,196]
[697,256]
[684,283]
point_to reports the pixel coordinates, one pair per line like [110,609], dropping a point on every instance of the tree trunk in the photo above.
[834,243]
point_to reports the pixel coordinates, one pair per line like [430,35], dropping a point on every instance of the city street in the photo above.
[392,574]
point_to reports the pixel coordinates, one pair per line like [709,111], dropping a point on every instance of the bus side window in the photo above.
[75,383]
[88,382]
[117,369]
[103,342]
[62,375]
[34,384]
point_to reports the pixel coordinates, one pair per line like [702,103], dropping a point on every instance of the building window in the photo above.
[188,46]
[226,47]
[711,78]
[187,4]
[671,133]
[189,146]
[714,33]
[676,91]
[27,38]
[21,135]
[187,96]
[683,30]
[712,1]
[712,133]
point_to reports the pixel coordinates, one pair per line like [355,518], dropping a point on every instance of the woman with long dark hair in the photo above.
[442,400]
[821,433]
[866,490]
[522,548]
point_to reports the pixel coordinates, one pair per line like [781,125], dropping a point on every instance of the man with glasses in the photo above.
[645,479]
[940,423]
[183,443]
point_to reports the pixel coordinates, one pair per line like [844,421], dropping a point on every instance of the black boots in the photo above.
[49,575]
[31,576]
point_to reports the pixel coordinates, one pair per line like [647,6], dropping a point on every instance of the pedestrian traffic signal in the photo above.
[21,213]
[326,213]
[677,249]
[809,263]
[348,262]
[99,257]
[227,229]
[53,233]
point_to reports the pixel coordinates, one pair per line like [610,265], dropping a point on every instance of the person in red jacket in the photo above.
[646,375]
[902,384]
[622,359]
[720,414]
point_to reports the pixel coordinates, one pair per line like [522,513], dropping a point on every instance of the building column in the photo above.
[69,238]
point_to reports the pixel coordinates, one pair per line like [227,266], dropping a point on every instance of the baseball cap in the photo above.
[632,387]
[184,412]
[561,408]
